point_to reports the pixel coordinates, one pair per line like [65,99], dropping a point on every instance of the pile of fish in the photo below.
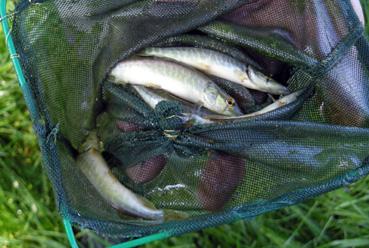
[211,86]
[196,77]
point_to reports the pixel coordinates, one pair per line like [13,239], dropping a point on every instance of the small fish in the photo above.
[277,104]
[220,65]
[178,80]
[204,41]
[95,168]
[152,99]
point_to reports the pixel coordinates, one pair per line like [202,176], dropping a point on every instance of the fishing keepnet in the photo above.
[200,174]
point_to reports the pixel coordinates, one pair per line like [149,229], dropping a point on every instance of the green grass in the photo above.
[28,217]
[27,209]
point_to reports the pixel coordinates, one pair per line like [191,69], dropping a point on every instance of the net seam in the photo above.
[337,54]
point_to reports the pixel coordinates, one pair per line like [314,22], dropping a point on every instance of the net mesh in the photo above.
[203,175]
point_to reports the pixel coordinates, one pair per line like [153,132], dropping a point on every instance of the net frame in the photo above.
[68,217]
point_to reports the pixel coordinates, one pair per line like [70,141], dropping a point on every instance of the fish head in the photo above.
[257,77]
[267,83]
[220,101]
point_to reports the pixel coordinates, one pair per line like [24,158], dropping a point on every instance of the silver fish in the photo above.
[277,104]
[152,99]
[95,168]
[148,96]
[220,65]
[178,80]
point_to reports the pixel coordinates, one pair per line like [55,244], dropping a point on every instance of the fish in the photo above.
[153,98]
[220,65]
[275,105]
[204,41]
[96,170]
[176,79]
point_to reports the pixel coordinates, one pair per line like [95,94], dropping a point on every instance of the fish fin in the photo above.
[128,216]
[152,85]
[243,77]
[114,80]
[198,110]
[146,52]
[143,54]
[204,67]
[146,203]
[175,215]
[124,214]
[190,120]
[281,103]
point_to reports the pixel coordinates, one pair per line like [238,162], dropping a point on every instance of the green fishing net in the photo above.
[201,175]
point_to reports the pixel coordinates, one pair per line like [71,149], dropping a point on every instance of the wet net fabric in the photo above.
[205,174]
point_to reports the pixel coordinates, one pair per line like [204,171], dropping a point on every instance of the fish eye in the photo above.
[230,102]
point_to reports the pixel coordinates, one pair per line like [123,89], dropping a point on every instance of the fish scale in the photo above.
[220,65]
